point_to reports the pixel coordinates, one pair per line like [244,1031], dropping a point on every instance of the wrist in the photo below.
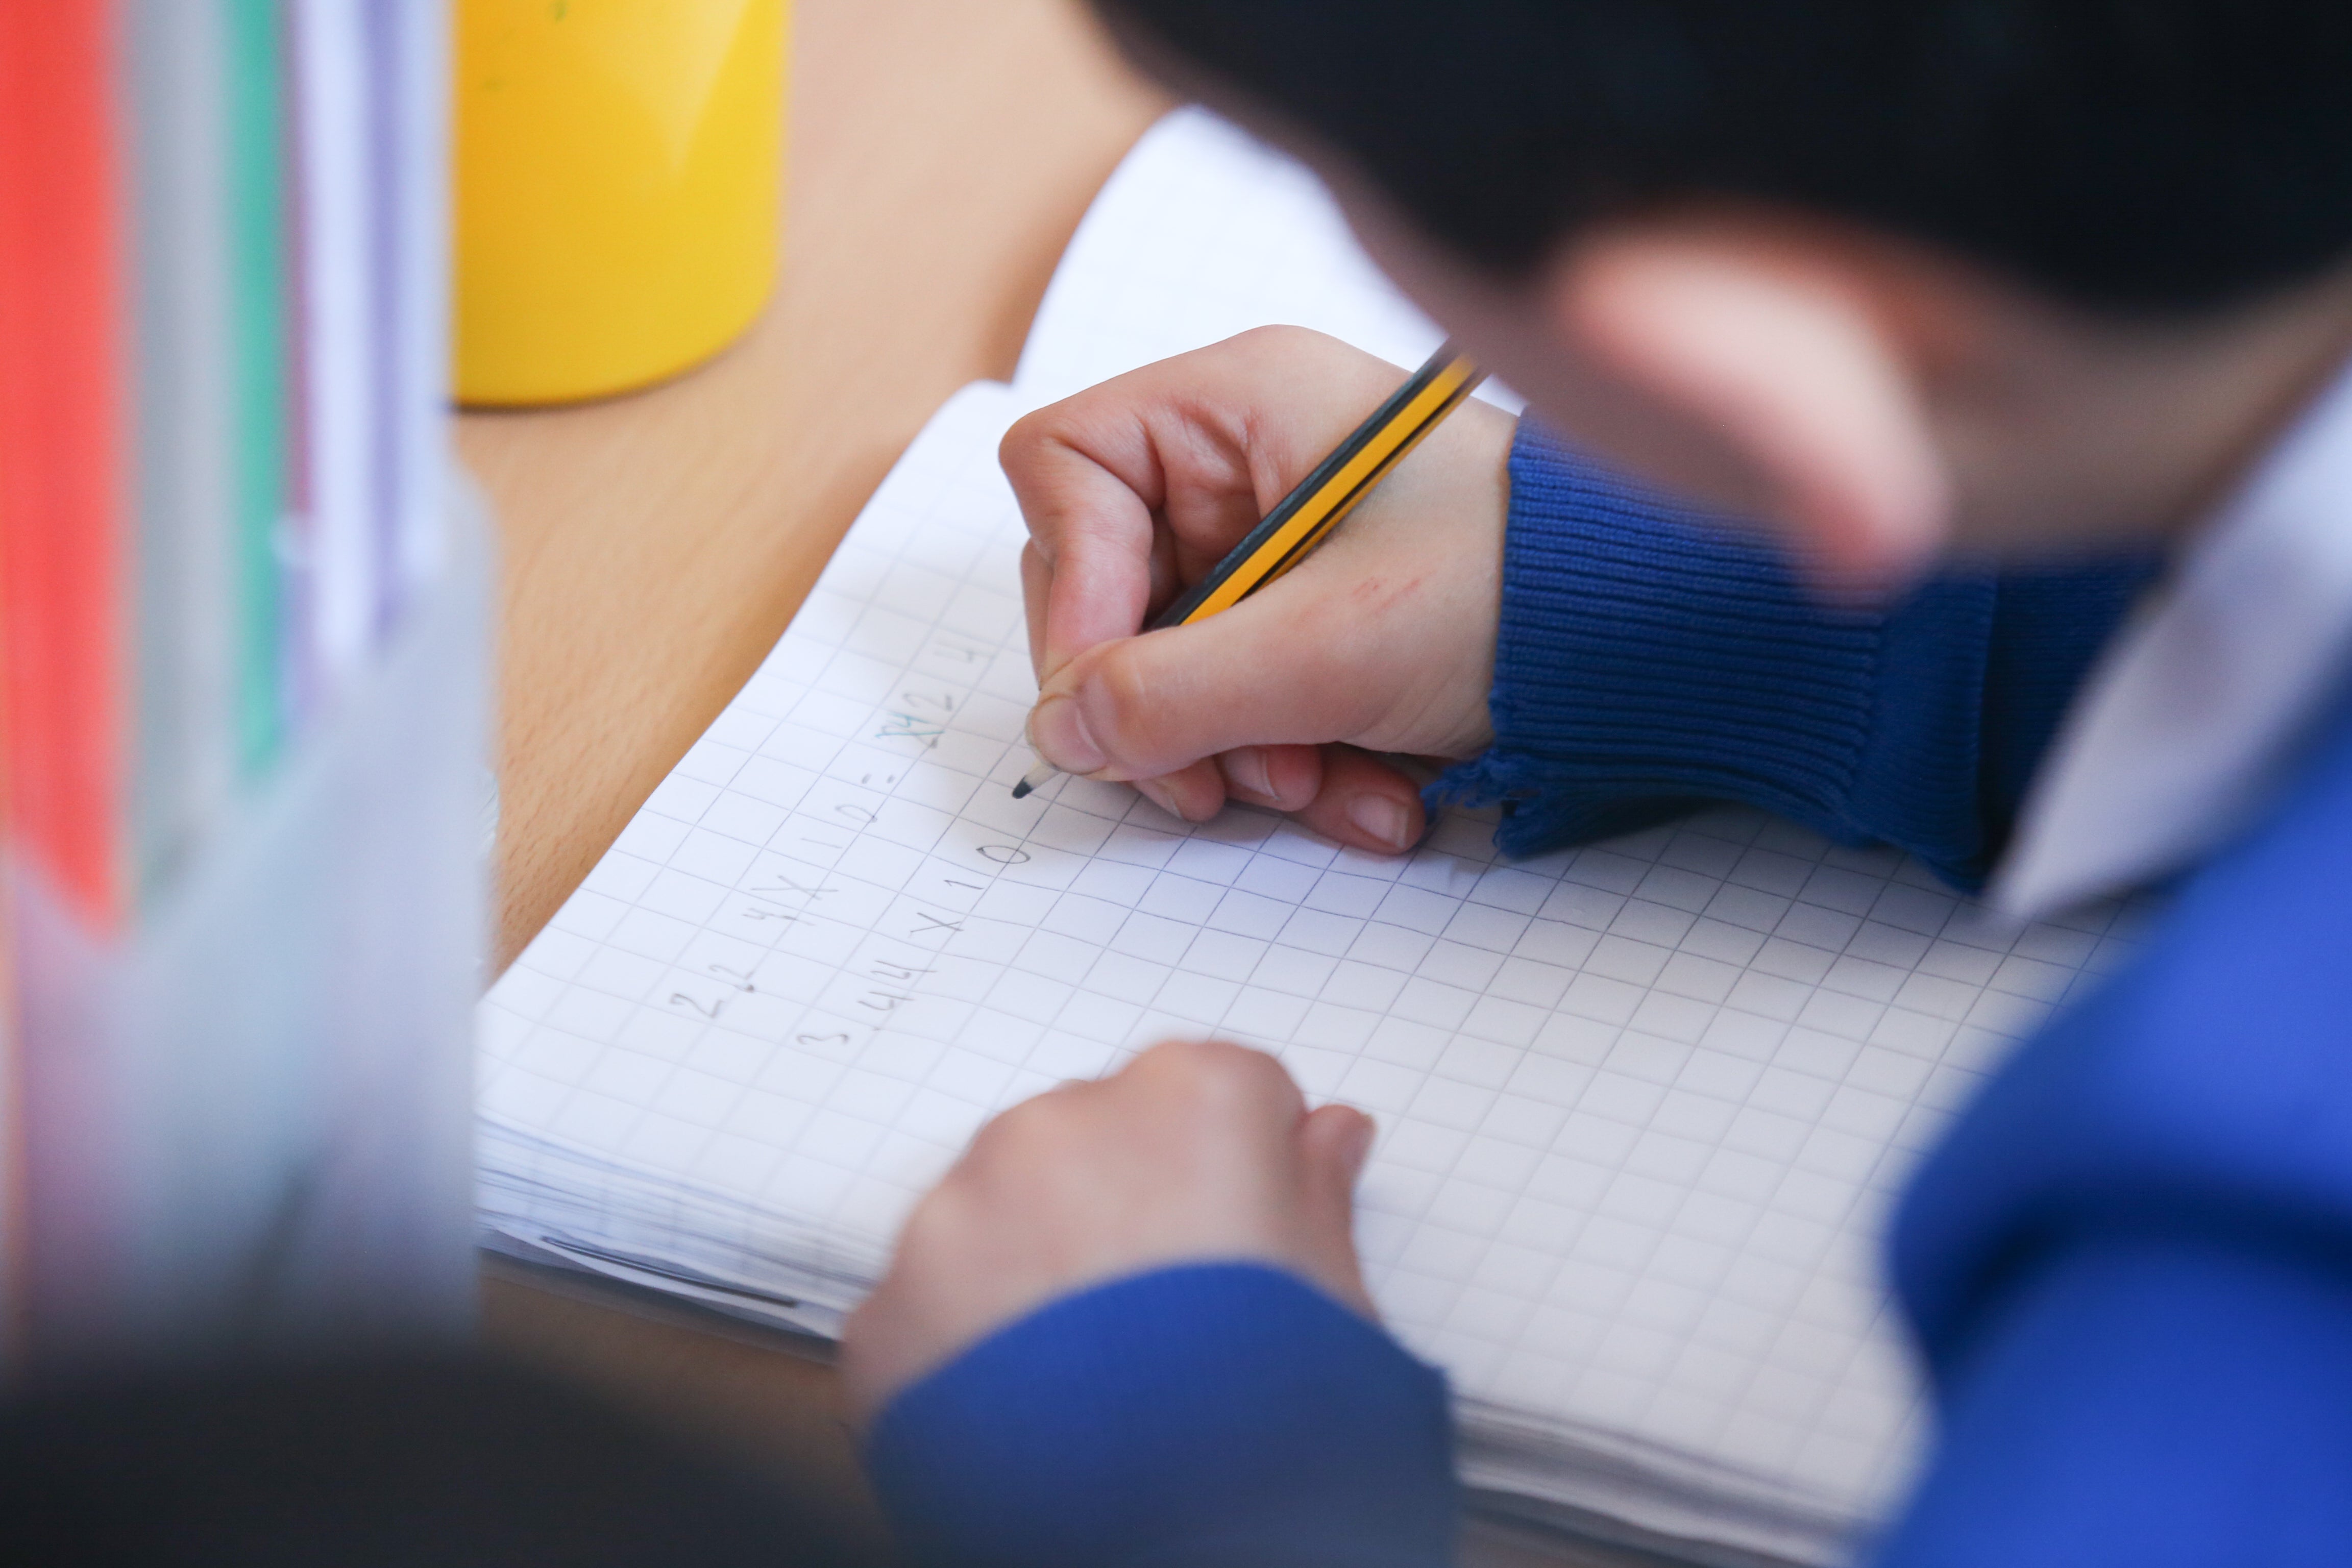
[1207,1413]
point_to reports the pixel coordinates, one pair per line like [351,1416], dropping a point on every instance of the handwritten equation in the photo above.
[857,914]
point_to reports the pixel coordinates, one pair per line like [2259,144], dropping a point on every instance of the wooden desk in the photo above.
[655,545]
[941,153]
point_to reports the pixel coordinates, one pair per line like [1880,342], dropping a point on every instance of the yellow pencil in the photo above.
[1306,517]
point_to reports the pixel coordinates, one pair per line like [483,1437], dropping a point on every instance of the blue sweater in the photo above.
[2129,1267]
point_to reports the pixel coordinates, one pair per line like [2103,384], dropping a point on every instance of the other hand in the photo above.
[1383,641]
[1194,1153]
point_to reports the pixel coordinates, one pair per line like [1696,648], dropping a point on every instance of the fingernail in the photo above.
[1246,771]
[1377,816]
[1059,733]
[1158,795]
[1357,1147]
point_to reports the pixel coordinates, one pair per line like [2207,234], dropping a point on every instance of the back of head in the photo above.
[2138,156]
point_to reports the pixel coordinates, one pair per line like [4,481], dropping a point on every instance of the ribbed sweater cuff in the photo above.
[1650,660]
[1218,1414]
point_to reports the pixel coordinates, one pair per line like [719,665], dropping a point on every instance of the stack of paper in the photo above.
[223,520]
[1642,1104]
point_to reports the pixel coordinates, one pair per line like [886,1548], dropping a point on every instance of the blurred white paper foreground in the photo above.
[247,1122]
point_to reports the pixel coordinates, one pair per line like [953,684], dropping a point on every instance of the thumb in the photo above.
[1333,1141]
[1274,670]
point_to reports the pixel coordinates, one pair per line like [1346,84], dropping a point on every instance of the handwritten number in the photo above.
[906,727]
[1005,854]
[708,1009]
[822,1039]
[782,886]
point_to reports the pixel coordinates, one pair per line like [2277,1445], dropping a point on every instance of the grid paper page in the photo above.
[1640,1104]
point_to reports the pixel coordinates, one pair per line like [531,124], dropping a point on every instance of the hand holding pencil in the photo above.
[1380,641]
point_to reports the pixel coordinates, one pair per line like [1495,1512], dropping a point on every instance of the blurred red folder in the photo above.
[62,447]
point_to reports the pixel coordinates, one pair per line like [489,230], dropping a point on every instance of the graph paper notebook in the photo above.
[1642,1104]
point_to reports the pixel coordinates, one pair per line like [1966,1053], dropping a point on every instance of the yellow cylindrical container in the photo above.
[619,178]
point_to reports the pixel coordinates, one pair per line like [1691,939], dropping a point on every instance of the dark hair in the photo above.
[2139,155]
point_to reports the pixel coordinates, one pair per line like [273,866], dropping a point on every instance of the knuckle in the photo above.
[1039,452]
[1020,437]
[1015,1136]
[1023,448]
[1040,429]
[1013,1126]
[1218,1076]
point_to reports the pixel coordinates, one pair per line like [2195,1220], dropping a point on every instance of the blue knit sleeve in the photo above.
[1652,659]
[2128,1265]
[2149,1401]
[1205,1416]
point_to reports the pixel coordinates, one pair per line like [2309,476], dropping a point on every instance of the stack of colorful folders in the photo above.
[240,654]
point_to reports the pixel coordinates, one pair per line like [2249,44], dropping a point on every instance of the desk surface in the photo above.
[655,545]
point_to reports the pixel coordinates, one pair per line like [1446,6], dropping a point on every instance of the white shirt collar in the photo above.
[2191,720]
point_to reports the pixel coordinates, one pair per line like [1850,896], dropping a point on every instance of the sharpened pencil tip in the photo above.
[1035,779]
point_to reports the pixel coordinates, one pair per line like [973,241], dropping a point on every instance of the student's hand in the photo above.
[1195,1151]
[1383,639]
